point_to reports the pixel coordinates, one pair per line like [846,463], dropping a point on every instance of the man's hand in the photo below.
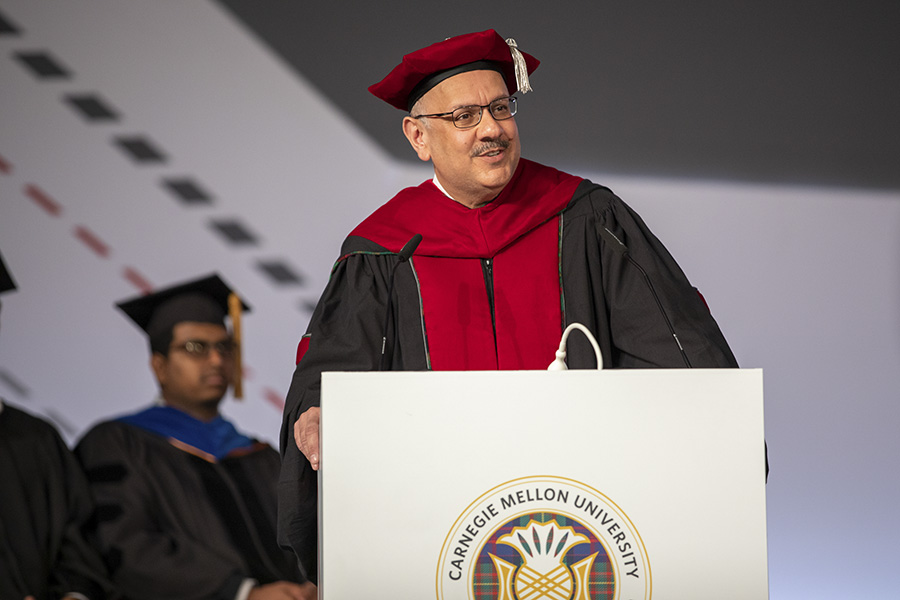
[306,435]
[284,590]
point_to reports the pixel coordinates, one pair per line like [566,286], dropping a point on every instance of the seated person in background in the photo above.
[185,502]
[44,503]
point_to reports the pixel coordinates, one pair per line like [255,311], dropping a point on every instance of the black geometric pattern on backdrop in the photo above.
[137,147]
[280,272]
[140,149]
[187,191]
[43,65]
[91,107]
[234,232]
[7,27]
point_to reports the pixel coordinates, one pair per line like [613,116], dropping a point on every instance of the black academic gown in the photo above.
[44,503]
[175,523]
[614,276]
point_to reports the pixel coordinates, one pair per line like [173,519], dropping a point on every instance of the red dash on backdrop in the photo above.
[89,239]
[274,398]
[5,166]
[42,199]
[137,280]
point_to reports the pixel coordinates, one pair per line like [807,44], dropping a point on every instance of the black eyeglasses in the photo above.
[202,348]
[466,117]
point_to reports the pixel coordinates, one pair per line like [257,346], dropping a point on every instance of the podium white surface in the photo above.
[491,484]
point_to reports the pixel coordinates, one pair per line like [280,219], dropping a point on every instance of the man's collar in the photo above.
[438,185]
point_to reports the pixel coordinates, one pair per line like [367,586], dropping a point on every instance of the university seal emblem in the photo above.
[543,538]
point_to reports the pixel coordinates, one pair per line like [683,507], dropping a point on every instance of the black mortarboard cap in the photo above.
[205,300]
[202,300]
[6,281]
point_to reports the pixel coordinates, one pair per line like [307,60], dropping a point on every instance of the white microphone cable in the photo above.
[559,364]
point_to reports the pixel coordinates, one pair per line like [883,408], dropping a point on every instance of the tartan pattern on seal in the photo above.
[600,578]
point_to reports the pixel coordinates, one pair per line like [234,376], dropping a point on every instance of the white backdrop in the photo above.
[804,282]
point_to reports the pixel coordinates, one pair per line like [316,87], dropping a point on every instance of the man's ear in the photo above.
[158,364]
[416,132]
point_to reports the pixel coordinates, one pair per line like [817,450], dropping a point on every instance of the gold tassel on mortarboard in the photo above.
[234,311]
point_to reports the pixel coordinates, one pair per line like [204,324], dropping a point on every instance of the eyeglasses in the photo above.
[466,117]
[202,348]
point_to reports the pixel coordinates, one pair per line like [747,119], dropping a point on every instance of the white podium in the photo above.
[531,485]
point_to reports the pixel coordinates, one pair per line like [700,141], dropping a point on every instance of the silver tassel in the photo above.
[521,67]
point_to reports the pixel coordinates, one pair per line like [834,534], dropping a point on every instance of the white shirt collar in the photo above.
[438,185]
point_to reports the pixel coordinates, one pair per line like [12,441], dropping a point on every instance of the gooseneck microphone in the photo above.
[620,246]
[409,247]
[404,255]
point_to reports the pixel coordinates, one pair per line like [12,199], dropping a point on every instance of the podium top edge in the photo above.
[743,372]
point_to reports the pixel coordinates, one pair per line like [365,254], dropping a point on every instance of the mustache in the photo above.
[490,145]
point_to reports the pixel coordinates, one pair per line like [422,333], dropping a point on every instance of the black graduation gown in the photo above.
[44,503]
[616,278]
[175,524]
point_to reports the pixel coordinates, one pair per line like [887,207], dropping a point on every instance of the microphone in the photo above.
[409,247]
[619,246]
[404,255]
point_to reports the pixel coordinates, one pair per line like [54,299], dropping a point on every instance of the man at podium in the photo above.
[483,266]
